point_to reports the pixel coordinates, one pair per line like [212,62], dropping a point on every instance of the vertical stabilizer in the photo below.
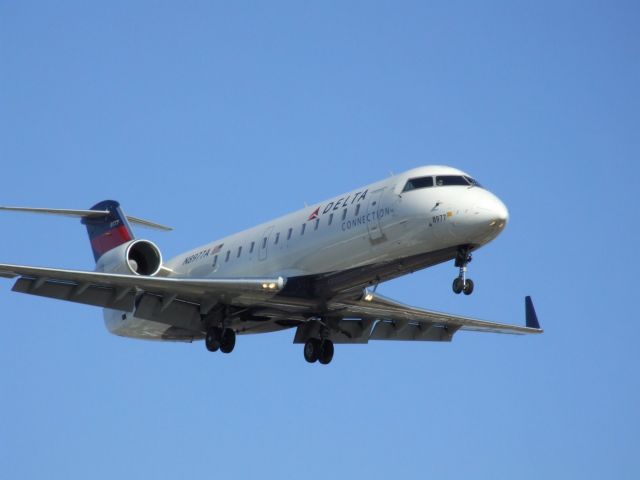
[108,231]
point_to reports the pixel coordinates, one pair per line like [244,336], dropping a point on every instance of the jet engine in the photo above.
[137,257]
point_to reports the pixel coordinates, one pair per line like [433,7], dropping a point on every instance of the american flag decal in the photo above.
[217,249]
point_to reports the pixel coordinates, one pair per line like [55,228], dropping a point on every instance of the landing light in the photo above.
[368,297]
[272,286]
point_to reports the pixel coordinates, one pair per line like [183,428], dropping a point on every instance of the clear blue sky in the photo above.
[212,117]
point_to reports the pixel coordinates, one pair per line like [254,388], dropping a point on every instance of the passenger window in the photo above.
[344,214]
[451,180]
[239,251]
[289,234]
[317,223]
[304,226]
[357,210]
[277,238]
[420,182]
[228,255]
[330,218]
[253,244]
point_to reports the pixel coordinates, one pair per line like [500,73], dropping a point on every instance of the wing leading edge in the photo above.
[178,302]
[386,309]
[196,286]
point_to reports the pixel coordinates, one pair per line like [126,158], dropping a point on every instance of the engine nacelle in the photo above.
[138,257]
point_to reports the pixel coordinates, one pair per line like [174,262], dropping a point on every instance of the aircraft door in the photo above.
[374,214]
[264,244]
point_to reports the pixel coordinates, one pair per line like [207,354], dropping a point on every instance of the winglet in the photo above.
[532,318]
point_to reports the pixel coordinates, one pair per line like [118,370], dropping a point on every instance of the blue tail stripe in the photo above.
[530,312]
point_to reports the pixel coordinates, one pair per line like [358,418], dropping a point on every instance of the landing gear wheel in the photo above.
[312,350]
[468,287]
[212,339]
[227,341]
[326,352]
[462,283]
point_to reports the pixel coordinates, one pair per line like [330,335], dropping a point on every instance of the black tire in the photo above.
[212,339]
[326,352]
[311,350]
[458,286]
[468,287]
[228,340]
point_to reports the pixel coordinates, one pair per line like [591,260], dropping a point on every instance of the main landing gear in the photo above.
[318,350]
[220,339]
[462,284]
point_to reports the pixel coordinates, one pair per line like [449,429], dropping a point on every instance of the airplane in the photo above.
[315,270]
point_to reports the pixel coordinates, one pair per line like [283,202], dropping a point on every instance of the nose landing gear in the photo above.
[462,284]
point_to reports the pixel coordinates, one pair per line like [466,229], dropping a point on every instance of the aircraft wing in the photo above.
[182,301]
[175,301]
[380,318]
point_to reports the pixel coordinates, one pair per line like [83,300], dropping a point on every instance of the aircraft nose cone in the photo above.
[500,213]
[475,218]
[490,214]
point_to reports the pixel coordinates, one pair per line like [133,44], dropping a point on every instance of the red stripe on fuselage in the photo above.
[110,239]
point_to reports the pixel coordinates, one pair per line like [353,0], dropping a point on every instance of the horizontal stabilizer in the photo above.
[59,211]
[86,214]
[146,223]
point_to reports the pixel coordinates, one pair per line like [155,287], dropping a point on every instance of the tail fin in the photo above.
[107,231]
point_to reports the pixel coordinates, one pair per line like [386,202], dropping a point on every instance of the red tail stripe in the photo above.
[110,239]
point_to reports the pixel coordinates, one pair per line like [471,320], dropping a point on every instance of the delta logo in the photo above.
[315,214]
[341,202]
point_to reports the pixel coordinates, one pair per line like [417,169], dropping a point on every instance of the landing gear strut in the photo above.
[318,350]
[220,339]
[462,283]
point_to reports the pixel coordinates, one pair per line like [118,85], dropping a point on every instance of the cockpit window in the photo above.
[419,182]
[440,181]
[450,180]
[473,182]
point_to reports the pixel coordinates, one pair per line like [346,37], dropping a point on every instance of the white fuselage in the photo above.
[372,224]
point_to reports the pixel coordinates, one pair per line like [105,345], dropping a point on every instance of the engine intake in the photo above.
[137,257]
[143,258]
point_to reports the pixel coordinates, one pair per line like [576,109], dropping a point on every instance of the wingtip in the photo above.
[531,316]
